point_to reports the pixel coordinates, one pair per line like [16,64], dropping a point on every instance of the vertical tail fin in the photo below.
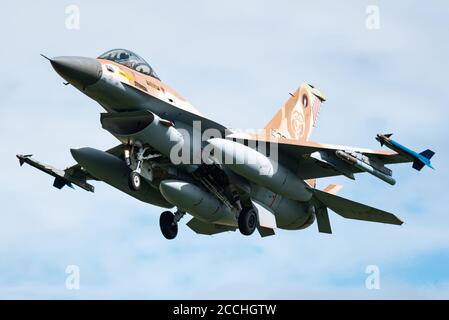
[298,116]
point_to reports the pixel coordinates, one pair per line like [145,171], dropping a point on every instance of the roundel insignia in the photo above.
[305,101]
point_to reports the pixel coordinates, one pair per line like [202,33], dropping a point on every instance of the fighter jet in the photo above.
[172,156]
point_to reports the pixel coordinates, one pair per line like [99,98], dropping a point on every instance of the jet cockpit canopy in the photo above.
[130,60]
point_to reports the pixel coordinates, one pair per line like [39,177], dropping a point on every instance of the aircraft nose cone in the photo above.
[77,70]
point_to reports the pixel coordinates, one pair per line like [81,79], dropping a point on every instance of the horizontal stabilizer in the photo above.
[62,177]
[353,210]
[206,228]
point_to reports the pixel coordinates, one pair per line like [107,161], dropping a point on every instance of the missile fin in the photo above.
[428,154]
[418,164]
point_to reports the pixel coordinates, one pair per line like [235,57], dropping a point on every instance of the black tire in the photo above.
[247,222]
[169,227]
[134,181]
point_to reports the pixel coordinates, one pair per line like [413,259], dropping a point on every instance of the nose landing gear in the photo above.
[134,178]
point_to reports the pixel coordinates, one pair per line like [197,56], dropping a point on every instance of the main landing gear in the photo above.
[168,222]
[247,221]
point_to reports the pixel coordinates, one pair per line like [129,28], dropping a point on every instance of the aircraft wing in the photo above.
[316,160]
[320,160]
[307,148]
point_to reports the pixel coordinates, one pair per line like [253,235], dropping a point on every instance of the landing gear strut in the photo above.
[247,221]
[169,223]
[134,178]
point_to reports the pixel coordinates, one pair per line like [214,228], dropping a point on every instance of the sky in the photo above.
[236,61]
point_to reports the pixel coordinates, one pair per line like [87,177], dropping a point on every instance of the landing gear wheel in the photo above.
[134,181]
[247,222]
[169,227]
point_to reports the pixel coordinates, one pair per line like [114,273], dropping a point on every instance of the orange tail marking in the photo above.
[297,117]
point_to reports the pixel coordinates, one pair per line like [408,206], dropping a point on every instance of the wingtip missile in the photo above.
[62,178]
[419,159]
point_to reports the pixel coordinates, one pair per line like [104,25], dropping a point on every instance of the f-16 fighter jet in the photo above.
[172,156]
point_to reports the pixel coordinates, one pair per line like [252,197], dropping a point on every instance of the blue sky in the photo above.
[236,61]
